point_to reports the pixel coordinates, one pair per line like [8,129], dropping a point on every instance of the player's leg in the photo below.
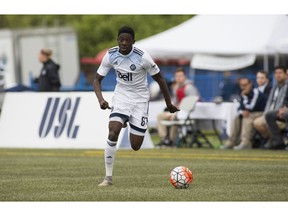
[115,125]
[138,125]
[110,151]
[136,141]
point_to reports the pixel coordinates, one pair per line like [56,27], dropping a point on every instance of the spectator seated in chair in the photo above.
[182,87]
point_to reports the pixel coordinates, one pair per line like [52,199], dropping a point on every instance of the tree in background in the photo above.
[96,32]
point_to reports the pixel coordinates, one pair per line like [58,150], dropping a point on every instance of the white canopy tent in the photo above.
[227,41]
[222,63]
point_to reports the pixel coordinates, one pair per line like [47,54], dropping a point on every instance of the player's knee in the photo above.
[113,136]
[136,147]
[136,141]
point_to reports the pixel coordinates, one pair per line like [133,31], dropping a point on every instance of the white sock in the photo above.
[110,153]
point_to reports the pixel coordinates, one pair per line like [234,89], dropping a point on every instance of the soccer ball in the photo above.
[181,177]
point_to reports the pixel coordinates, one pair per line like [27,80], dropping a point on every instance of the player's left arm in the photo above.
[155,73]
[165,91]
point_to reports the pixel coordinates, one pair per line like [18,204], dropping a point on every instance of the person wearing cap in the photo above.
[49,79]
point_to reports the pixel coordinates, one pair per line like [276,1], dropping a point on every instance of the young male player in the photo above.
[131,95]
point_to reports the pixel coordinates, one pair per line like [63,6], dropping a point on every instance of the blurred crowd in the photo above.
[262,115]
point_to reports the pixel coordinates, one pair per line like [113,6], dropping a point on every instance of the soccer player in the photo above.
[131,95]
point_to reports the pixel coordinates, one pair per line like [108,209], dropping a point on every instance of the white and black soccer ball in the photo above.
[181,177]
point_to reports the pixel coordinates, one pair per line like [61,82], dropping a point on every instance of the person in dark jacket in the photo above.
[49,79]
[251,105]
[229,88]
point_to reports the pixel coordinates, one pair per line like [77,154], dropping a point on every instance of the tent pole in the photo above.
[191,71]
[192,74]
[266,63]
[276,59]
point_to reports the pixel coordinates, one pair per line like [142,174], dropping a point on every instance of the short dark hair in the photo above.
[281,67]
[264,73]
[126,29]
[180,69]
[245,78]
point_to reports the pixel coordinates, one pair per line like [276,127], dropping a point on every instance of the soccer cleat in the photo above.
[106,182]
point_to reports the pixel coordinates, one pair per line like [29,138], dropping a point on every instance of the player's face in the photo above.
[125,42]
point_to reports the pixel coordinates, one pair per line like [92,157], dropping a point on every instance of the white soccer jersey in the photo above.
[131,73]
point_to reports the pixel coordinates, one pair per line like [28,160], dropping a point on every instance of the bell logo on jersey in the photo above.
[125,77]
[65,112]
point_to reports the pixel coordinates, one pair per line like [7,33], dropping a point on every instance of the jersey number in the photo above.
[144,121]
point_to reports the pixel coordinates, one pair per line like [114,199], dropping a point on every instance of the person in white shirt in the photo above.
[182,88]
[131,95]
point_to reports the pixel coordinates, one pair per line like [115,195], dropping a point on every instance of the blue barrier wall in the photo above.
[207,82]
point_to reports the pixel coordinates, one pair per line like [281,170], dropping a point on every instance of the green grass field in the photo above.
[73,175]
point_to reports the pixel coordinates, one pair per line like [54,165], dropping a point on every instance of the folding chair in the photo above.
[186,126]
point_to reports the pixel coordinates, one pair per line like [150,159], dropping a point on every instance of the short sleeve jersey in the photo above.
[131,73]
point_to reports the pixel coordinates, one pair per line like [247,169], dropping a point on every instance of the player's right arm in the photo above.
[97,89]
[101,73]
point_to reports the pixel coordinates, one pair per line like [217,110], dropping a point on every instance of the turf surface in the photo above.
[73,175]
